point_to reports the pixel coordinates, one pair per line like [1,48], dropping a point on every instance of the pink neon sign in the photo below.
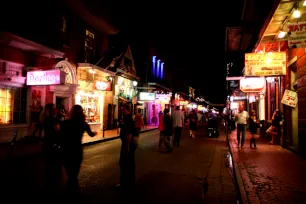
[50,77]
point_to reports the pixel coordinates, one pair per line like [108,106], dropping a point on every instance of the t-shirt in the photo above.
[243,117]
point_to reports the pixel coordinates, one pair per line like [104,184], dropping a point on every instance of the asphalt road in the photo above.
[161,177]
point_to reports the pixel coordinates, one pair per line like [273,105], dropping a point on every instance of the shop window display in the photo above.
[13,105]
[90,104]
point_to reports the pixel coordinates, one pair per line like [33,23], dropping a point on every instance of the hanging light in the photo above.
[281,34]
[304,3]
[296,13]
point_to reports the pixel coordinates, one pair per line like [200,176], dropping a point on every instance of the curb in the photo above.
[239,182]
[36,154]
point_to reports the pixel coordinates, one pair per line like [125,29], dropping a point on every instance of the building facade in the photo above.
[49,59]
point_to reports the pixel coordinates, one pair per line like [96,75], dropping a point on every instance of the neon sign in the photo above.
[49,77]
[103,86]
[255,84]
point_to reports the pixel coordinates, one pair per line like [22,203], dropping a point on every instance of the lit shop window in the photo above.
[90,103]
[13,106]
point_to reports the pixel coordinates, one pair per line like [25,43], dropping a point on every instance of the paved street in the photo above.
[161,177]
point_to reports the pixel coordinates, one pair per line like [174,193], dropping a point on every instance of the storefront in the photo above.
[94,94]
[163,100]
[125,93]
[18,101]
[56,86]
[238,99]
[254,87]
[13,100]
[183,104]
[150,109]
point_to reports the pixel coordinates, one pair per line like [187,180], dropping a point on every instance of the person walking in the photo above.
[178,122]
[72,131]
[161,128]
[253,125]
[128,148]
[168,131]
[242,120]
[193,123]
[51,149]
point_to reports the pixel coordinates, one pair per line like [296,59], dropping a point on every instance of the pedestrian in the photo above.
[242,119]
[168,131]
[139,123]
[128,148]
[178,124]
[161,128]
[193,118]
[273,129]
[51,149]
[39,123]
[253,125]
[72,131]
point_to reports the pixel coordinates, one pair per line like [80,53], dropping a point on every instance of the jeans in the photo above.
[241,128]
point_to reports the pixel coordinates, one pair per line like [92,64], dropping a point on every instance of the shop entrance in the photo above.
[62,103]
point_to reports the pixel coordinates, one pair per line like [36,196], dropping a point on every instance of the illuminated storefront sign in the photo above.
[265,64]
[103,86]
[252,84]
[146,96]
[162,97]
[50,77]
[237,98]
[184,103]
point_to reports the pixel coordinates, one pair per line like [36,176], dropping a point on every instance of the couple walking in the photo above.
[167,124]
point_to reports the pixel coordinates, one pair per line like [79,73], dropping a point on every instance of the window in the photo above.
[13,105]
[89,46]
[64,25]
[90,103]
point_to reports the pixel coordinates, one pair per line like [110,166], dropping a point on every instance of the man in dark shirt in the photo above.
[128,148]
[273,129]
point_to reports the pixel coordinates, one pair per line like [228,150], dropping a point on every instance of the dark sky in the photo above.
[190,35]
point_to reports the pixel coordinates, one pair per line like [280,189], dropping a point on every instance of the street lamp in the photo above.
[135,89]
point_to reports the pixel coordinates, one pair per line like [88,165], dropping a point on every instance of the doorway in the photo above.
[62,103]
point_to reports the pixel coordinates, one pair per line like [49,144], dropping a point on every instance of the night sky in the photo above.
[188,35]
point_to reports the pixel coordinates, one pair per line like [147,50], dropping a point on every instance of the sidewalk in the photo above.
[268,174]
[22,149]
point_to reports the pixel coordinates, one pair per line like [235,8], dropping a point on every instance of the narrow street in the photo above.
[171,178]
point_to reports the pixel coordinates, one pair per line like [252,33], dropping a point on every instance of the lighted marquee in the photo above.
[49,77]
[256,84]
[103,86]
[162,97]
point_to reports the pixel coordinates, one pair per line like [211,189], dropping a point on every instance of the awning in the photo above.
[30,46]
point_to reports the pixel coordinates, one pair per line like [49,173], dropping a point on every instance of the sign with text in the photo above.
[103,85]
[49,77]
[254,84]
[265,64]
[290,98]
[297,34]
[162,97]
[146,96]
